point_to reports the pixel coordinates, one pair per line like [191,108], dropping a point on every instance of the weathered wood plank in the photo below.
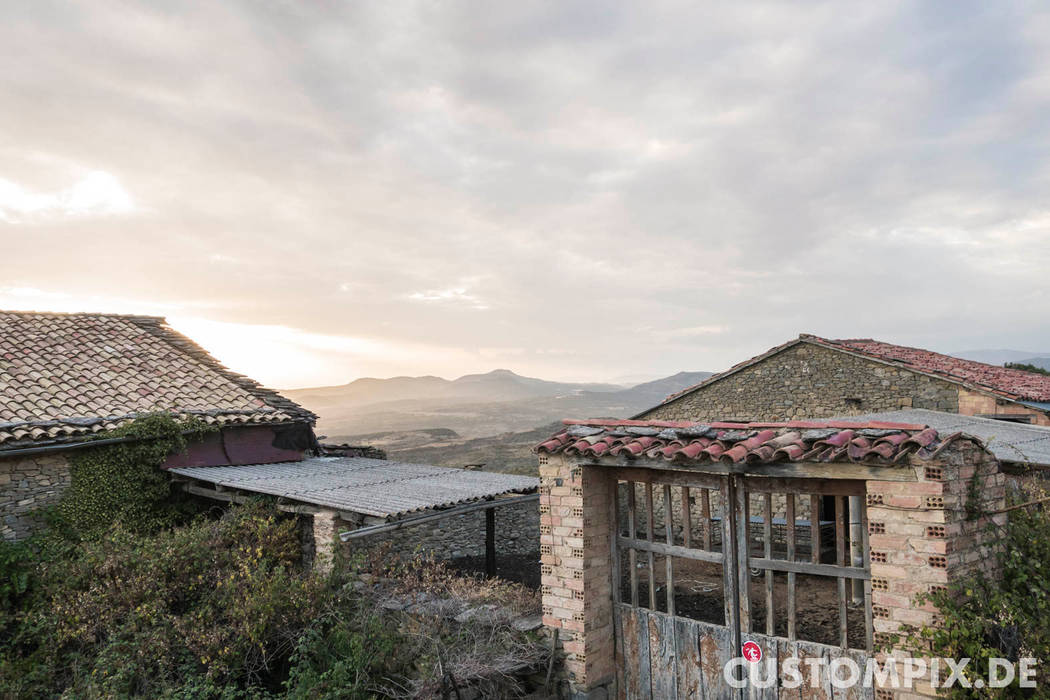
[767,534]
[840,554]
[672,550]
[649,525]
[869,626]
[799,470]
[621,647]
[614,547]
[742,518]
[632,555]
[645,684]
[632,653]
[687,518]
[763,678]
[717,647]
[669,536]
[690,680]
[827,487]
[791,597]
[670,478]
[705,512]
[662,660]
[846,572]
[729,566]
[814,528]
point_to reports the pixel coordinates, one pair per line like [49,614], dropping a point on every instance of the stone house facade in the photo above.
[813,377]
[68,380]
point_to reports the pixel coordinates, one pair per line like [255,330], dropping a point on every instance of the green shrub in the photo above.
[216,605]
[1004,616]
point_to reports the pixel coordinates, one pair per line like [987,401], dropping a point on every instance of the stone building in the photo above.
[812,377]
[66,380]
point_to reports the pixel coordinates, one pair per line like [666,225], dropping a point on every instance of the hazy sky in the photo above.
[324,190]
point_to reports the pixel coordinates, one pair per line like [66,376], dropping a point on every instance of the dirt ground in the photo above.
[519,568]
[699,595]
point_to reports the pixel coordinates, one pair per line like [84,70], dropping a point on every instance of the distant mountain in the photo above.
[476,405]
[999,357]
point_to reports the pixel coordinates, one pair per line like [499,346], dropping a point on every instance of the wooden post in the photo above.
[490,542]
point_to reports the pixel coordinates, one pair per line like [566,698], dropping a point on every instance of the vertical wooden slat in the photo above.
[662,666]
[767,534]
[742,516]
[840,556]
[632,554]
[687,518]
[814,528]
[669,535]
[644,673]
[729,575]
[792,606]
[614,553]
[688,655]
[869,626]
[705,504]
[649,536]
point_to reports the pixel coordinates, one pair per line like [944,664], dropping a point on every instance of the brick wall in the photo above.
[575,504]
[921,539]
[809,381]
[26,484]
[972,403]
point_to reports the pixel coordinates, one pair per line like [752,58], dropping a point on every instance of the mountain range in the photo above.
[1002,356]
[475,405]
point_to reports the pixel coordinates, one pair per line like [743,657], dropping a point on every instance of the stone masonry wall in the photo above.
[26,484]
[921,539]
[809,381]
[517,532]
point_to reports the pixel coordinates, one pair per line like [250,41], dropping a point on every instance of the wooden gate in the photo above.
[709,562]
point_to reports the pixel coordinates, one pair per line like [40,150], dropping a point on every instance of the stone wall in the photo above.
[810,381]
[27,484]
[517,532]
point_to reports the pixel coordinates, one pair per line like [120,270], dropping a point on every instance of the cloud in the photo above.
[96,194]
[615,180]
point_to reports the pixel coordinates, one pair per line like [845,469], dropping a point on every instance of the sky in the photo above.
[319,191]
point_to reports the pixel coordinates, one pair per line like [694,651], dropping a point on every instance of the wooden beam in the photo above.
[679,473]
[801,567]
[669,550]
[438,515]
[490,542]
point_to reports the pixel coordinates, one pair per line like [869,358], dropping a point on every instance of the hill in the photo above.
[488,418]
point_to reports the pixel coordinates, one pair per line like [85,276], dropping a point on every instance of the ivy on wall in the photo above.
[122,482]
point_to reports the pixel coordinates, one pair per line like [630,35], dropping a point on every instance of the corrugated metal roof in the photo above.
[374,487]
[1009,442]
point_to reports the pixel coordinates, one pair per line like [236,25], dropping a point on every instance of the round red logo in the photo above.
[752,652]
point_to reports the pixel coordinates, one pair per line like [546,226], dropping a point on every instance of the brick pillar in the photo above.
[921,539]
[324,540]
[575,570]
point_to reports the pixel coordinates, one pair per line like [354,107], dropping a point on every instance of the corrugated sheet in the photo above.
[374,487]
[1009,442]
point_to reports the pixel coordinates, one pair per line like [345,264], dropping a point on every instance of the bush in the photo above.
[1005,616]
[217,606]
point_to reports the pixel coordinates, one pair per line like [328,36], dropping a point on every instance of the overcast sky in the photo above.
[319,191]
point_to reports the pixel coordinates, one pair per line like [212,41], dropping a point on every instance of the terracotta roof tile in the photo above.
[67,375]
[752,443]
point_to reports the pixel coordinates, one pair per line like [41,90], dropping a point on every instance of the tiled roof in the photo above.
[65,376]
[1013,384]
[371,486]
[1017,443]
[873,442]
